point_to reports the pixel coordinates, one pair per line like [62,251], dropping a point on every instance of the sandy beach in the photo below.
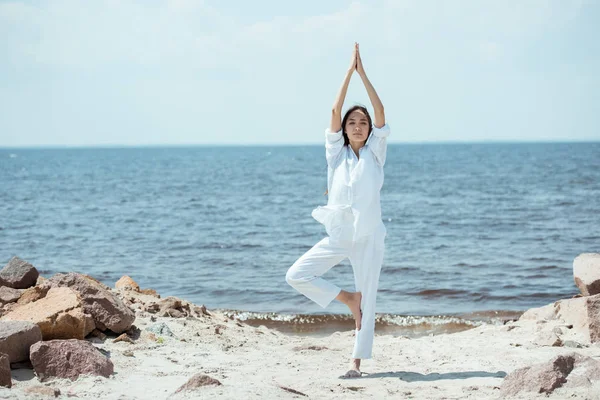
[257,362]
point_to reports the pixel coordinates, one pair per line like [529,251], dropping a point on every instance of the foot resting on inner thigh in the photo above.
[352,300]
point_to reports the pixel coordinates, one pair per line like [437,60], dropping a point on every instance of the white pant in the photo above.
[366,257]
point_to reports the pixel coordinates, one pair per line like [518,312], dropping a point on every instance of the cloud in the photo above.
[162,65]
[69,33]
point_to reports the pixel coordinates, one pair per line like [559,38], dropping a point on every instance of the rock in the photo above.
[134,332]
[59,315]
[569,370]
[581,314]
[126,283]
[150,292]
[5,376]
[546,338]
[16,337]
[32,294]
[107,310]
[540,313]
[586,372]
[152,308]
[586,272]
[68,359]
[123,338]
[174,308]
[198,381]
[200,310]
[9,295]
[41,390]
[160,329]
[584,314]
[18,274]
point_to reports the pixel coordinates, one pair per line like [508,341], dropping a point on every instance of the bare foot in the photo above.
[354,371]
[354,305]
[352,300]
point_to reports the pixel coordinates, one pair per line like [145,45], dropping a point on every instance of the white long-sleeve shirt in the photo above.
[353,208]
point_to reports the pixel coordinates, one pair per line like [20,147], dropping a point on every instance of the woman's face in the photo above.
[357,126]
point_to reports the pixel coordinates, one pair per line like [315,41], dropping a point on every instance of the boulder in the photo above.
[5,376]
[107,310]
[569,370]
[582,313]
[126,283]
[59,315]
[198,381]
[18,274]
[68,359]
[9,295]
[586,272]
[16,337]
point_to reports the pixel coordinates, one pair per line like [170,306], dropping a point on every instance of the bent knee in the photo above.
[294,275]
[291,276]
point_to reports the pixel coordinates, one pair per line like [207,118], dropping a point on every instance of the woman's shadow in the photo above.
[415,376]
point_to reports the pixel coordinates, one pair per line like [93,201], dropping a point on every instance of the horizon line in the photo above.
[178,145]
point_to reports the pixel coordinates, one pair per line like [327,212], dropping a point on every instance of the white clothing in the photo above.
[353,207]
[366,257]
[352,219]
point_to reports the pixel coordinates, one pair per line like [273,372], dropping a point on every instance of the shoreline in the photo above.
[320,325]
[176,349]
[258,362]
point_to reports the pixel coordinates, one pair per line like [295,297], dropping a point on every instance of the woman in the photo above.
[355,153]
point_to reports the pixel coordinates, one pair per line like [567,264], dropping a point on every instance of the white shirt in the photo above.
[353,208]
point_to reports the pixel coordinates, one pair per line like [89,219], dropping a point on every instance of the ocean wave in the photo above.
[405,325]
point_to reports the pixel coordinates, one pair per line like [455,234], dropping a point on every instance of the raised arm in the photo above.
[334,140]
[377,142]
[336,111]
[375,101]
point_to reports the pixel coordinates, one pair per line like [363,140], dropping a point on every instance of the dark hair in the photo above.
[347,115]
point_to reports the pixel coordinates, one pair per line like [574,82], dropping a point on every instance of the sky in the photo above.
[179,72]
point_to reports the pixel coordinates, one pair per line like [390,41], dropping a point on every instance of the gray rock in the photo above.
[586,272]
[107,310]
[68,359]
[569,370]
[5,376]
[160,329]
[9,295]
[16,337]
[18,274]
[198,381]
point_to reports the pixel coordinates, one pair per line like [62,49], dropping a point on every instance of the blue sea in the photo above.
[474,230]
